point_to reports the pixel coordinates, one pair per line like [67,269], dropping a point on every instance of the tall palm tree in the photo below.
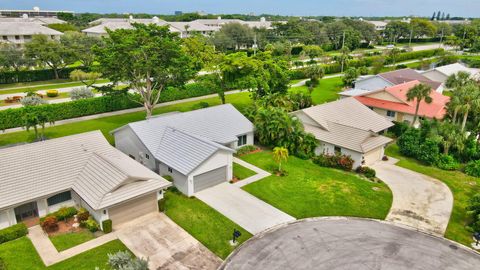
[455,103]
[459,79]
[470,99]
[419,92]
[450,136]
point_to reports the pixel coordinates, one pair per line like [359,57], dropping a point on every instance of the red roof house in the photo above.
[392,103]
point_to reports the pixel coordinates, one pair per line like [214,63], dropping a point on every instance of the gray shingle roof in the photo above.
[184,140]
[85,163]
[26,28]
[346,123]
[407,75]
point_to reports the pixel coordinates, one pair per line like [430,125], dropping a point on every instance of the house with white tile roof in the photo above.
[20,32]
[82,170]
[195,148]
[441,74]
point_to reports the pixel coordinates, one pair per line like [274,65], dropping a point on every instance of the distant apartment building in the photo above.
[20,32]
[35,12]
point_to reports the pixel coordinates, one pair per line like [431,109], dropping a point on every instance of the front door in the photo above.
[26,211]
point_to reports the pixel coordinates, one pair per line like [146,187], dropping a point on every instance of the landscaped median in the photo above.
[462,186]
[312,191]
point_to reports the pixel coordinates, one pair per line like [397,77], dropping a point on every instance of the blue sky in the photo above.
[286,7]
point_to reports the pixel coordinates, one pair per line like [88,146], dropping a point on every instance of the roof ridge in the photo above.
[212,143]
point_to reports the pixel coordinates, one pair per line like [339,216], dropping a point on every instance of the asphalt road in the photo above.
[341,243]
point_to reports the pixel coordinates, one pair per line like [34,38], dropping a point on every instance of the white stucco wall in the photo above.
[127,142]
[7,218]
[329,149]
[250,141]
[179,180]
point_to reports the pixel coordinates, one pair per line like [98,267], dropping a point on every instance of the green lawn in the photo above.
[21,255]
[27,84]
[204,223]
[241,172]
[311,191]
[107,124]
[462,186]
[45,87]
[67,240]
[326,91]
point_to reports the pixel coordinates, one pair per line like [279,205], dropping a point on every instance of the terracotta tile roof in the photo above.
[436,109]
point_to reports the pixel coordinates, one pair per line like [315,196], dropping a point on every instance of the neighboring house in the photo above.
[219,22]
[35,12]
[184,29]
[346,126]
[388,79]
[82,170]
[391,102]
[441,74]
[39,20]
[21,32]
[379,25]
[195,148]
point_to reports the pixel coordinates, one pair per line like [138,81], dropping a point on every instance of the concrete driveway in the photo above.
[165,244]
[349,243]
[251,213]
[419,201]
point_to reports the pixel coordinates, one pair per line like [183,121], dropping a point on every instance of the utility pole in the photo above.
[255,45]
[343,41]
[343,46]
[441,38]
[410,40]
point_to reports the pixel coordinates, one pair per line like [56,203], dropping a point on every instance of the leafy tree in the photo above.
[450,137]
[233,36]
[429,151]
[393,54]
[200,51]
[473,207]
[87,78]
[280,154]
[79,47]
[409,141]
[459,79]
[419,92]
[149,57]
[34,118]
[272,75]
[63,27]
[350,76]
[48,52]
[312,51]
[422,27]
[396,30]
[11,57]
[314,73]
[470,97]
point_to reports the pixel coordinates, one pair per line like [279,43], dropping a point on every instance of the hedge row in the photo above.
[13,232]
[35,75]
[299,73]
[12,118]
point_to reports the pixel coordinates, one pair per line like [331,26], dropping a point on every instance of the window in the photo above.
[131,156]
[371,108]
[5,37]
[390,114]
[17,37]
[337,150]
[170,170]
[27,37]
[242,140]
[59,198]
[147,156]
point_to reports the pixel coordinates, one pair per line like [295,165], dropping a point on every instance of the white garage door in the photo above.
[373,156]
[133,209]
[209,179]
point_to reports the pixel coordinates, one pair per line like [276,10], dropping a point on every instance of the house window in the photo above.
[371,108]
[242,140]
[390,114]
[59,198]
[17,37]
[131,156]
[337,150]
[28,37]
[170,170]
[147,156]
[5,37]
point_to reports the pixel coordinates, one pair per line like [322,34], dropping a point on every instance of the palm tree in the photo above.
[459,79]
[470,99]
[455,103]
[280,154]
[450,136]
[419,92]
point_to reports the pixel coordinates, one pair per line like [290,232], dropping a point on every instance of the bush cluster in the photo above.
[82,215]
[473,168]
[367,171]
[338,161]
[52,93]
[34,75]
[246,149]
[473,209]
[49,224]
[161,205]
[13,232]
[90,224]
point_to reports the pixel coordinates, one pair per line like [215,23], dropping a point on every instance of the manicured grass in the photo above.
[67,240]
[463,188]
[27,84]
[311,191]
[107,124]
[45,87]
[241,172]
[326,91]
[21,255]
[204,223]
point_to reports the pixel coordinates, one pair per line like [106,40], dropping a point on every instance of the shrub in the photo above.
[32,101]
[474,211]
[447,162]
[428,152]
[342,162]
[13,232]
[473,168]
[161,205]
[201,105]
[408,143]
[107,226]
[167,177]
[367,171]
[300,100]
[90,224]
[49,224]
[34,75]
[65,212]
[52,93]
[2,265]
[246,149]
[122,260]
[81,93]
[82,215]
[399,128]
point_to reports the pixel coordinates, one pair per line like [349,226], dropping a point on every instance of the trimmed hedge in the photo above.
[107,226]
[13,232]
[12,118]
[35,75]
[161,205]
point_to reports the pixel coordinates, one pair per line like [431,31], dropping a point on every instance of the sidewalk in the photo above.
[52,101]
[254,178]
[44,92]
[138,109]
